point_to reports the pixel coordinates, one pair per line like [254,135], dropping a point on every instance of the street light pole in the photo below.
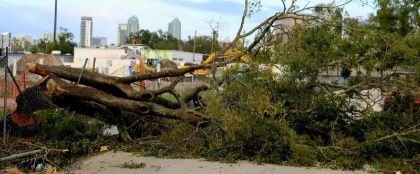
[55,21]
[195,36]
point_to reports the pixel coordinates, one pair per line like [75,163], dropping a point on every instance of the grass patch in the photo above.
[132,165]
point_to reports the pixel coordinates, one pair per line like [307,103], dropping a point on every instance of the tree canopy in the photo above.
[398,16]
[155,40]
[64,43]
[165,41]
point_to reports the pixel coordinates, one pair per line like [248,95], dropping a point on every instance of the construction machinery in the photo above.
[229,54]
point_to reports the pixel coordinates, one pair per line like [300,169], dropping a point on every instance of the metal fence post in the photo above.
[5,95]
[81,73]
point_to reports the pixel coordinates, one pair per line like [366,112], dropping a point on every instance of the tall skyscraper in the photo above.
[86,31]
[133,24]
[99,41]
[6,40]
[122,34]
[47,36]
[174,28]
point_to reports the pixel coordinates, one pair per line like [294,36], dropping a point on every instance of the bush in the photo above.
[384,124]
[77,133]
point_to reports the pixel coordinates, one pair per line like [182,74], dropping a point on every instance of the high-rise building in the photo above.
[122,34]
[99,41]
[47,36]
[86,26]
[6,40]
[174,28]
[133,24]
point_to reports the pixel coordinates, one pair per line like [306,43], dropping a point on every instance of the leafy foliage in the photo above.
[304,116]
[64,44]
[75,133]
[203,44]
[165,41]
[156,40]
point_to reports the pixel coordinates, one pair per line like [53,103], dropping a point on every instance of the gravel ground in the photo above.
[111,162]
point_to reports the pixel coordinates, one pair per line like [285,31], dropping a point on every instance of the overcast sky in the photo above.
[33,17]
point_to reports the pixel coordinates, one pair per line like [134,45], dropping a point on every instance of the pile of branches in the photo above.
[107,97]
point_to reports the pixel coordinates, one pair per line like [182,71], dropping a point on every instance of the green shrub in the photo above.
[303,155]
[60,125]
[350,162]
[77,133]
[384,124]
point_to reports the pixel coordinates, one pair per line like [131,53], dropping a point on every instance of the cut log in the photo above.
[118,86]
[138,107]
[15,157]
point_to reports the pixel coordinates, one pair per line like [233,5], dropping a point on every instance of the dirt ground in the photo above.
[112,162]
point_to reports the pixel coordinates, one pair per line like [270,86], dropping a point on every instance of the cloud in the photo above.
[36,16]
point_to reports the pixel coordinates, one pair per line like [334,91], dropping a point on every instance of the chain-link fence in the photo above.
[11,84]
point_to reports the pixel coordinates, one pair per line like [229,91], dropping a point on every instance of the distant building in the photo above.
[6,40]
[86,26]
[120,62]
[99,41]
[284,26]
[26,38]
[47,36]
[174,28]
[122,34]
[22,43]
[328,12]
[133,24]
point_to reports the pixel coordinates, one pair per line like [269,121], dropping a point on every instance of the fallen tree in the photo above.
[112,96]
[115,95]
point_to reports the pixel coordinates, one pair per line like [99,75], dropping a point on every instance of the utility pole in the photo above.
[55,21]
[195,36]
[5,94]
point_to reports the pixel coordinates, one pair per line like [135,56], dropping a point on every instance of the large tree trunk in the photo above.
[106,97]
[139,107]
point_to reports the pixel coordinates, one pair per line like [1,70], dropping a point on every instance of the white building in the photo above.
[6,40]
[120,61]
[283,26]
[122,34]
[86,26]
[108,61]
[174,28]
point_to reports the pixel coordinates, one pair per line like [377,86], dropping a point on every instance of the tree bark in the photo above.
[20,156]
[118,86]
[141,108]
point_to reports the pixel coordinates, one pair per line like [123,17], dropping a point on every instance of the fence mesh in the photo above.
[23,81]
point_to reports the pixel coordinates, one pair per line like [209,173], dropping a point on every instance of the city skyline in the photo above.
[39,15]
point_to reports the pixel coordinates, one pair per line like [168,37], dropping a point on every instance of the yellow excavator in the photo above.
[150,64]
[229,54]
